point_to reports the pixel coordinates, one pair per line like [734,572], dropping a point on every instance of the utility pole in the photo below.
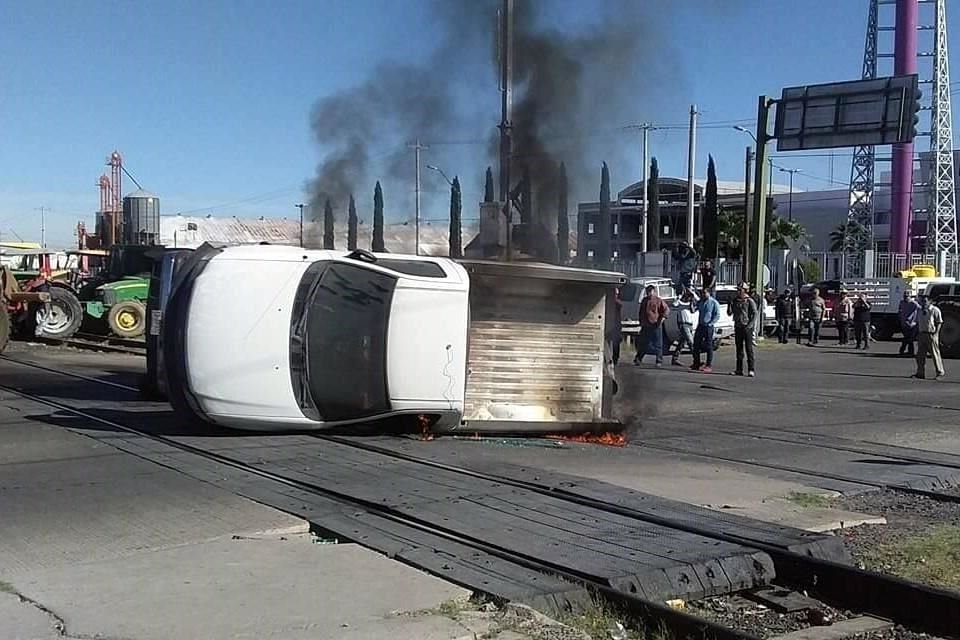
[43,227]
[300,206]
[790,197]
[691,152]
[506,95]
[417,148]
[745,238]
[759,197]
[645,129]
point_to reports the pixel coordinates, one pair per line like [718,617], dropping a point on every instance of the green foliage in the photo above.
[811,270]
[730,232]
[603,253]
[456,231]
[328,225]
[847,235]
[488,194]
[352,225]
[376,244]
[653,214]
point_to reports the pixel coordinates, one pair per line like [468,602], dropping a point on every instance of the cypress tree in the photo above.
[352,225]
[376,244]
[602,257]
[456,232]
[328,225]
[526,199]
[709,224]
[563,223]
[488,195]
[653,211]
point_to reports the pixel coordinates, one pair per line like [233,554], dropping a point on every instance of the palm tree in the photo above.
[845,235]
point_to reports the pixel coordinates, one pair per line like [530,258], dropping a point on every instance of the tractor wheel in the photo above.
[4,328]
[127,319]
[950,331]
[60,318]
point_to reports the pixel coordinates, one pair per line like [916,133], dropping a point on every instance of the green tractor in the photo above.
[117,295]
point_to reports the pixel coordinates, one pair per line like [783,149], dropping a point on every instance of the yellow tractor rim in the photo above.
[127,320]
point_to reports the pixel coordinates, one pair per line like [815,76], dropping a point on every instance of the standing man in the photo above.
[861,322]
[783,307]
[708,276]
[653,311]
[844,313]
[929,321]
[685,259]
[685,305]
[743,310]
[817,308]
[709,312]
[907,313]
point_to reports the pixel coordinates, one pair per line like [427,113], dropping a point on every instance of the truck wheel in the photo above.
[4,328]
[127,319]
[882,330]
[950,331]
[60,318]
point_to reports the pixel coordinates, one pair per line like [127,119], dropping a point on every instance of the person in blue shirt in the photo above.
[709,311]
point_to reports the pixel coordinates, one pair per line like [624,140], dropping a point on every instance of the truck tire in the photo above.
[127,319]
[883,329]
[950,331]
[60,318]
[4,328]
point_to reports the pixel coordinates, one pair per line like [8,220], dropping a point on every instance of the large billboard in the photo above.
[848,114]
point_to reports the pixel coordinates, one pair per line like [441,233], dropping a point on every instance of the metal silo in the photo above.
[141,218]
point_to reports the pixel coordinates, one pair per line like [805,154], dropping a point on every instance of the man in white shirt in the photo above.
[929,321]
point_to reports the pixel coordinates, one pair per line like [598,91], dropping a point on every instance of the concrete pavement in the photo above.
[95,542]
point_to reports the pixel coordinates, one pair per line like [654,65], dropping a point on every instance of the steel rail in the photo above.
[650,614]
[927,609]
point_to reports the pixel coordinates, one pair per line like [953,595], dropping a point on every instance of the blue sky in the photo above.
[209,102]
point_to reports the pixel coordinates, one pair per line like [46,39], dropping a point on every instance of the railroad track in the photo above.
[92,342]
[918,607]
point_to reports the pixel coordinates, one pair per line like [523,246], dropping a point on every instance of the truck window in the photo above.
[340,330]
[938,290]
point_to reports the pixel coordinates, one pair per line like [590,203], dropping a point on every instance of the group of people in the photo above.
[920,323]
[654,312]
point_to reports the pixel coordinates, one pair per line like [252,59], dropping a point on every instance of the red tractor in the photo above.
[37,304]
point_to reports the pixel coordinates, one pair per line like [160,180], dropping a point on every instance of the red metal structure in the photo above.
[111,208]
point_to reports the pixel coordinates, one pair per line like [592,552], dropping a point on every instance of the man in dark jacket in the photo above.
[653,311]
[861,322]
[783,307]
[743,310]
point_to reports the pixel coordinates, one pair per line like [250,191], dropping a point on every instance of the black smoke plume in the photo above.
[573,88]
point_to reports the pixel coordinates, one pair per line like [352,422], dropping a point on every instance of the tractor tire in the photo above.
[950,331]
[60,318]
[127,319]
[4,328]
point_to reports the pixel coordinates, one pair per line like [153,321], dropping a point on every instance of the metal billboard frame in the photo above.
[847,114]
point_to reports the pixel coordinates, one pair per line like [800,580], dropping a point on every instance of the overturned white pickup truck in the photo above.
[283,338]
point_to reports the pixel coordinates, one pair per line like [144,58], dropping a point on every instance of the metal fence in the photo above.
[831,266]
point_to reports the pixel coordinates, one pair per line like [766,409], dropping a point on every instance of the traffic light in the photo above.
[913,112]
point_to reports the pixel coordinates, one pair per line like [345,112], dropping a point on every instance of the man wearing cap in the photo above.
[743,310]
[929,321]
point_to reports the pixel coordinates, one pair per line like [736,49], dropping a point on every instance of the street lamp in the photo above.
[746,131]
[790,200]
[440,171]
[300,206]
